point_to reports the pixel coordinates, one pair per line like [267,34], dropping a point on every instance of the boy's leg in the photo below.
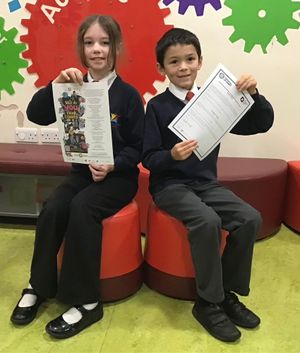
[243,222]
[204,230]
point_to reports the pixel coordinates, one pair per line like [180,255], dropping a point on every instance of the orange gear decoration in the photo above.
[52,46]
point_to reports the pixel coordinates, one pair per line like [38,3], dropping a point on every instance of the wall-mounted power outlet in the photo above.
[26,134]
[49,135]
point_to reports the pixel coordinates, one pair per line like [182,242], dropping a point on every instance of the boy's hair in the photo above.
[110,26]
[173,37]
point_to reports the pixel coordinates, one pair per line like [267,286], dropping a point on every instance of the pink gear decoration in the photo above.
[198,5]
[52,47]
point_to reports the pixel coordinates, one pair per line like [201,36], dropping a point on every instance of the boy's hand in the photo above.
[183,150]
[100,171]
[246,82]
[70,75]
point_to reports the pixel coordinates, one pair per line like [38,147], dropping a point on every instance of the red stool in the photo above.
[143,197]
[121,263]
[292,196]
[260,182]
[168,266]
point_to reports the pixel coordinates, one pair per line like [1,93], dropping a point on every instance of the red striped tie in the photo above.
[189,95]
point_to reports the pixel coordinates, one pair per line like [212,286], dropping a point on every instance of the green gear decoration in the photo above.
[258,21]
[10,61]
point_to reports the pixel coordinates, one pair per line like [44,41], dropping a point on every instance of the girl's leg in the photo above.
[50,230]
[79,277]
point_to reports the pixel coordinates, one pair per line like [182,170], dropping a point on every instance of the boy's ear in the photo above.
[200,62]
[160,69]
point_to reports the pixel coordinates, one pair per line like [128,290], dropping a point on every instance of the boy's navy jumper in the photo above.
[189,191]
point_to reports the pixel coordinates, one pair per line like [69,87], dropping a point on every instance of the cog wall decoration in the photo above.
[10,61]
[51,26]
[258,22]
[198,5]
[14,5]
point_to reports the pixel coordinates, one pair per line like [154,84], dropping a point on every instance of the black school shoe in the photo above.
[238,312]
[59,328]
[24,315]
[215,321]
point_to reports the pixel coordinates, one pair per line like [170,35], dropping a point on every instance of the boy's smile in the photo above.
[181,65]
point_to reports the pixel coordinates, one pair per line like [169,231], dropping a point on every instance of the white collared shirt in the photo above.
[110,77]
[180,93]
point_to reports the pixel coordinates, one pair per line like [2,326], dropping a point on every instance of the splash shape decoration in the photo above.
[10,61]
[257,22]
[197,4]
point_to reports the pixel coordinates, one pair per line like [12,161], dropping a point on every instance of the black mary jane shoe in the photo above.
[24,315]
[59,328]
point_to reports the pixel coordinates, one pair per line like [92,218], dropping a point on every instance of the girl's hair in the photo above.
[111,27]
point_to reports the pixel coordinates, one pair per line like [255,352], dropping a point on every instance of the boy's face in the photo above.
[181,65]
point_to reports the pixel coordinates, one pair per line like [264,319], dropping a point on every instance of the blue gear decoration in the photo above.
[198,5]
[258,22]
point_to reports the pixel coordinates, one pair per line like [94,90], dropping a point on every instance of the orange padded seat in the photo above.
[122,259]
[292,196]
[168,264]
[143,197]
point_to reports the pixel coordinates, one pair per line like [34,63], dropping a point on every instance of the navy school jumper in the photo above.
[75,210]
[189,191]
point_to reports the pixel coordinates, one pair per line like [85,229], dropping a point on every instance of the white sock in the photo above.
[73,315]
[27,299]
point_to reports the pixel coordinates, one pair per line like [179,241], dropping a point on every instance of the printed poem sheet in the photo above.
[84,123]
[212,112]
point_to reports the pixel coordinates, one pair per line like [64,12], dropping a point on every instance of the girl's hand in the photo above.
[99,171]
[183,150]
[70,75]
[246,82]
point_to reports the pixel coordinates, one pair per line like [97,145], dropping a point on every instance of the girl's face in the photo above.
[96,50]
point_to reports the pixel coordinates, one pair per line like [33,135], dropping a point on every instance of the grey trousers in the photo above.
[205,209]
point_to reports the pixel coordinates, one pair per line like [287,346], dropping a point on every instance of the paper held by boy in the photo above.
[213,111]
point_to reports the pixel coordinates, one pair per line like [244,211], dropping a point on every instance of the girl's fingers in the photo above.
[69,75]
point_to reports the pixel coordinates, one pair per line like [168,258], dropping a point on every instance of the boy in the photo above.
[188,190]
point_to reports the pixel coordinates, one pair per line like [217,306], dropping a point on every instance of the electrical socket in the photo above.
[49,135]
[26,134]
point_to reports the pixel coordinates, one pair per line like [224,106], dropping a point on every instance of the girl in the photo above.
[75,210]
